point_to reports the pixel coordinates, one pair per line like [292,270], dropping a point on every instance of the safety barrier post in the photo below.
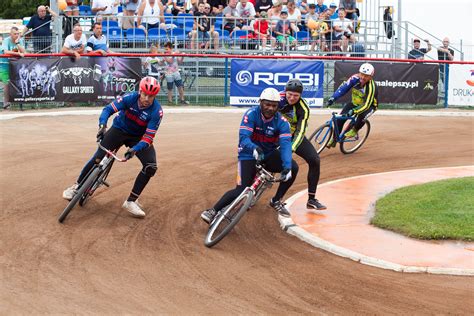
[226,81]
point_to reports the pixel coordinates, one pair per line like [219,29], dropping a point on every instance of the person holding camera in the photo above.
[40,24]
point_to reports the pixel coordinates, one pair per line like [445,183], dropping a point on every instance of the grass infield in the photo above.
[437,210]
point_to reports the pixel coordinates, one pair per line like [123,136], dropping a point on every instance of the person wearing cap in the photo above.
[364,100]
[333,11]
[417,52]
[264,137]
[284,30]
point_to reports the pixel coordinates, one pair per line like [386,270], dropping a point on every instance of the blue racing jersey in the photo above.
[362,97]
[268,134]
[133,120]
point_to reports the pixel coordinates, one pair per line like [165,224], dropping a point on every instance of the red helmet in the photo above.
[150,86]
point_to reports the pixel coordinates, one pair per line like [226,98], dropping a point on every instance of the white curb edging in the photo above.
[291,228]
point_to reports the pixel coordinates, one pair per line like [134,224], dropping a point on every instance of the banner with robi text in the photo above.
[461,85]
[249,78]
[64,79]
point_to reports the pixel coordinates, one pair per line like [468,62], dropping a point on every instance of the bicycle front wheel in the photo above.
[228,218]
[321,137]
[88,182]
[351,145]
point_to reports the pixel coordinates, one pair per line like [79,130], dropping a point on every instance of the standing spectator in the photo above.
[150,15]
[152,63]
[417,52]
[107,8]
[202,27]
[231,15]
[172,74]
[75,43]
[445,53]
[262,6]
[321,7]
[246,11]
[14,44]
[40,24]
[98,42]
[129,9]
[72,8]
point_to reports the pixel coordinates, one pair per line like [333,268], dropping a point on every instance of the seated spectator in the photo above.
[41,26]
[75,43]
[284,31]
[203,28]
[98,42]
[217,6]
[342,30]
[263,6]
[150,15]
[417,52]
[274,14]
[262,30]
[322,28]
[350,6]
[107,8]
[321,7]
[332,11]
[294,14]
[231,17]
[72,8]
[14,44]
[247,12]
[179,6]
[303,6]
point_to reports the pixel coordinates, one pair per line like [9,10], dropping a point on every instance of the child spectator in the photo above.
[152,64]
[284,30]
[172,74]
[262,30]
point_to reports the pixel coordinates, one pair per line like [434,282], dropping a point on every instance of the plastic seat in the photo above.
[303,36]
[136,34]
[85,10]
[114,33]
[179,34]
[157,35]
[109,23]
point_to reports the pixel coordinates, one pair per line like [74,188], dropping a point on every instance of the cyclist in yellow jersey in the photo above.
[364,99]
[295,109]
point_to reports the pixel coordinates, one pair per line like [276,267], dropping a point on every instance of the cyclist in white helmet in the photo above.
[261,131]
[364,99]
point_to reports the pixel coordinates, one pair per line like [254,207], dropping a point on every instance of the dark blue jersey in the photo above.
[267,134]
[133,120]
[362,96]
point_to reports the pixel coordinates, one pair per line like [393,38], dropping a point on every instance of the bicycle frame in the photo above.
[333,123]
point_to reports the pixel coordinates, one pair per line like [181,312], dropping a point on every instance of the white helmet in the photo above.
[367,69]
[270,94]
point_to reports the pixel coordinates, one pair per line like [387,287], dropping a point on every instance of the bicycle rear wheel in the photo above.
[228,218]
[351,145]
[87,183]
[321,137]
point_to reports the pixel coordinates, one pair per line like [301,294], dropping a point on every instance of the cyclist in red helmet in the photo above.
[135,126]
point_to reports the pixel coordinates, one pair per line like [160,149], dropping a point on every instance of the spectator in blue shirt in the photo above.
[321,7]
[98,42]
[13,44]
[417,52]
[41,25]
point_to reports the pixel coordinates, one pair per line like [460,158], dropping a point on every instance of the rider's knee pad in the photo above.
[150,169]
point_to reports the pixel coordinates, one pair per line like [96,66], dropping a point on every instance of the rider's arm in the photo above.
[370,98]
[246,130]
[345,87]
[151,128]
[302,115]
[285,142]
[113,107]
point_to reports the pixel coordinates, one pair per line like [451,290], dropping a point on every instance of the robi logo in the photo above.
[281,78]
[470,81]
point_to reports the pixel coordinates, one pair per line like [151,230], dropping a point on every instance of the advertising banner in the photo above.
[396,83]
[250,77]
[461,85]
[67,80]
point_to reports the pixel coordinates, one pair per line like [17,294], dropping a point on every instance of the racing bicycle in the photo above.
[348,145]
[92,181]
[228,217]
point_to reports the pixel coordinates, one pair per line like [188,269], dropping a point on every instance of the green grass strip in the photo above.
[436,210]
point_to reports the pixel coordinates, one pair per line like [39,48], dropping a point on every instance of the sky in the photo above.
[442,18]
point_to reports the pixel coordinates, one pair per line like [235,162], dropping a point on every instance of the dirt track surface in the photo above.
[102,261]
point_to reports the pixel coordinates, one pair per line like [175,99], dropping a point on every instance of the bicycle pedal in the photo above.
[106,184]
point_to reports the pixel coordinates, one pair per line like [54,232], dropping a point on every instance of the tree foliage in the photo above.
[18,9]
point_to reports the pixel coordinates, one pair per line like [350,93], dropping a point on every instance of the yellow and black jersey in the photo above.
[297,115]
[362,97]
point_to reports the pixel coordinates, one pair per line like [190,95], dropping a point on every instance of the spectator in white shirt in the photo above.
[75,43]
[246,11]
[106,8]
[342,29]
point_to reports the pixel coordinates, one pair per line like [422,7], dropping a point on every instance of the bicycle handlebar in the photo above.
[111,153]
